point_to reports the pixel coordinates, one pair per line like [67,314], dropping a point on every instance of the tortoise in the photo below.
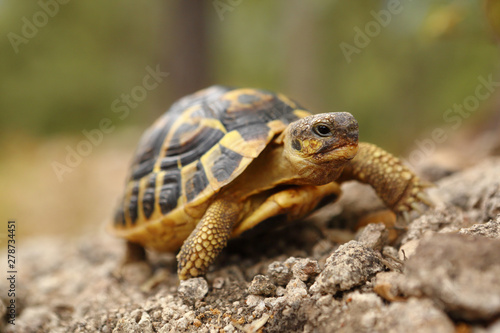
[222,160]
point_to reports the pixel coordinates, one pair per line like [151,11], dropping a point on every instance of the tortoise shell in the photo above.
[201,144]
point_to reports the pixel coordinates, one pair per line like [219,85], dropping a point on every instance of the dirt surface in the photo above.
[438,273]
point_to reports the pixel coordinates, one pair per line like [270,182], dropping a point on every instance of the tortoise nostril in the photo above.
[353,135]
[346,125]
[352,129]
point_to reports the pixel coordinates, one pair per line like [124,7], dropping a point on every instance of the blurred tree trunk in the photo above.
[188,60]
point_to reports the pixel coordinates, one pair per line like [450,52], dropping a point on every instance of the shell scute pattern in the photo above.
[255,107]
[196,181]
[133,203]
[169,191]
[201,144]
[187,144]
[225,164]
[151,143]
[148,198]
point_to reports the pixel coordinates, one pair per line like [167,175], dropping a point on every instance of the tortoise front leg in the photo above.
[398,187]
[208,239]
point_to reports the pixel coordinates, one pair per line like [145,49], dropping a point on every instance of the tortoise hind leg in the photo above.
[295,202]
[133,268]
[134,253]
[208,238]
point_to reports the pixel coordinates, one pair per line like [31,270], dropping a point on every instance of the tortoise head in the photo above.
[319,146]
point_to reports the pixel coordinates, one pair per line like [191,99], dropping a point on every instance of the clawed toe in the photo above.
[418,201]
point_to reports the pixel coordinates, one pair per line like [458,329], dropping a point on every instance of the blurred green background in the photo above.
[62,66]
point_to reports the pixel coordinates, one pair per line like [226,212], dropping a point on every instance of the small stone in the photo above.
[218,282]
[368,300]
[279,273]
[361,308]
[190,316]
[253,300]
[262,285]
[433,221]
[180,324]
[229,328]
[259,308]
[352,264]
[374,235]
[138,321]
[387,286]
[193,290]
[304,269]
[389,251]
[490,229]
[296,290]
[290,262]
[280,291]
[352,313]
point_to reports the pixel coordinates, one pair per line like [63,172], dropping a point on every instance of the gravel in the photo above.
[440,273]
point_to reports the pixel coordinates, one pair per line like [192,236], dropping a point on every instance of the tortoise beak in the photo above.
[344,153]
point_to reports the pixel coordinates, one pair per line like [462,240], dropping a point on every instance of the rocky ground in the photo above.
[333,272]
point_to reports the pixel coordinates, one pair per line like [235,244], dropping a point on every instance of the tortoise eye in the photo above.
[322,130]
